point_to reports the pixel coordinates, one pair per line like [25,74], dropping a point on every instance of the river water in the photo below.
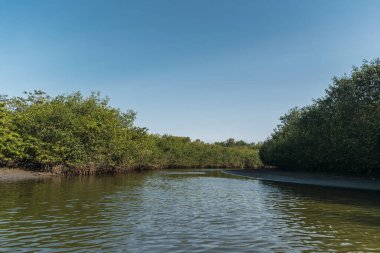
[184,211]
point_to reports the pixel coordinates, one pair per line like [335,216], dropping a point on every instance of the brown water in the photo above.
[184,211]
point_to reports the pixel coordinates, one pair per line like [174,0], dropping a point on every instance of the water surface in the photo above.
[184,211]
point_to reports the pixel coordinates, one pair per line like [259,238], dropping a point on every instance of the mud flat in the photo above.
[320,179]
[7,174]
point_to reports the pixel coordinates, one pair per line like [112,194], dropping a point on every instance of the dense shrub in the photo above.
[339,132]
[77,134]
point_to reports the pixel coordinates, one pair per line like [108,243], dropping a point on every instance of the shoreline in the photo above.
[17,174]
[274,175]
[308,178]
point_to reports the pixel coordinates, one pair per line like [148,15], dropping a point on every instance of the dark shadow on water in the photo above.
[330,194]
[346,205]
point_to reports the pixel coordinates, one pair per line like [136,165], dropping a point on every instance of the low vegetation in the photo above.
[73,134]
[338,132]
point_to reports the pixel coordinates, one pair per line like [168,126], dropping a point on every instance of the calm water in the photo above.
[184,211]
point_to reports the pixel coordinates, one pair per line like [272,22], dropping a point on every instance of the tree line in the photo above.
[74,134]
[338,132]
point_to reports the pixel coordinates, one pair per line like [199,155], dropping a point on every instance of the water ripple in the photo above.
[184,211]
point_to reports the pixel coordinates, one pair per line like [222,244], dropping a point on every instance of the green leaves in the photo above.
[11,144]
[86,135]
[339,132]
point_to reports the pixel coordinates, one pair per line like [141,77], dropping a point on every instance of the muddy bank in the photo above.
[296,177]
[7,174]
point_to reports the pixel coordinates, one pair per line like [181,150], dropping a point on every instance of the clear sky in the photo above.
[208,69]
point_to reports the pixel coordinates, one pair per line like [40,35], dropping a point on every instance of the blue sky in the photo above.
[208,69]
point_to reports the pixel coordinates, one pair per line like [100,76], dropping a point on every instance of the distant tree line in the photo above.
[74,134]
[231,142]
[338,132]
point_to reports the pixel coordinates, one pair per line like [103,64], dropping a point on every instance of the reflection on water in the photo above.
[184,211]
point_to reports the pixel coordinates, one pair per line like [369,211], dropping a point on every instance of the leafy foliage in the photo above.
[76,134]
[11,144]
[339,132]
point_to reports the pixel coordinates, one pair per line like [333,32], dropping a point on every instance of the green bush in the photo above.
[79,135]
[339,132]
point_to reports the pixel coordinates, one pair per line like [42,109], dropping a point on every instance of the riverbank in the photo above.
[8,174]
[320,179]
[295,177]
